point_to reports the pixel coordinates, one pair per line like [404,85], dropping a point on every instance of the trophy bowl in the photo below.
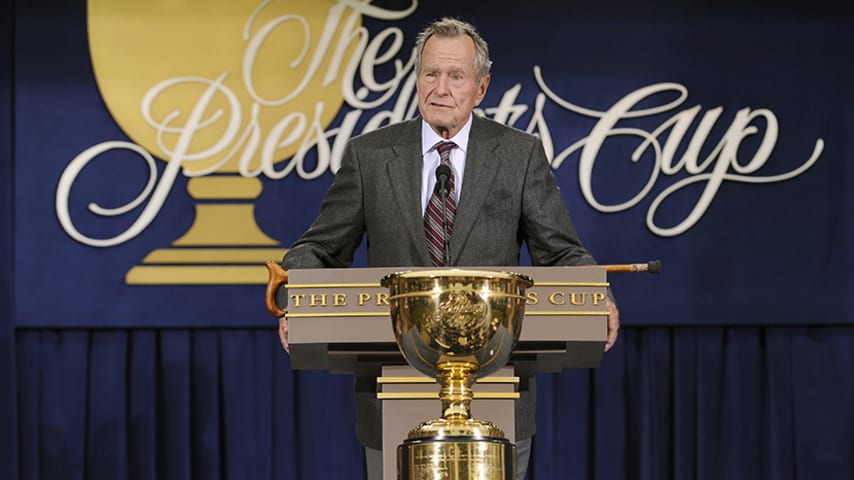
[456,325]
[457,315]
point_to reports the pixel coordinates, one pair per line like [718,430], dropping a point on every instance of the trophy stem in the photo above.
[456,380]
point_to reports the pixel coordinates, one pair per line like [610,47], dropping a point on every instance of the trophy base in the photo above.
[456,458]
[203,266]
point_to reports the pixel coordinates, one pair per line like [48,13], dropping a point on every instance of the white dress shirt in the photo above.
[431,159]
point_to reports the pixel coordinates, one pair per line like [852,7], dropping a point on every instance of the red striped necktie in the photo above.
[433,224]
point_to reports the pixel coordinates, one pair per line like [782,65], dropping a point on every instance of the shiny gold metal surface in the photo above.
[458,325]
[457,316]
[457,459]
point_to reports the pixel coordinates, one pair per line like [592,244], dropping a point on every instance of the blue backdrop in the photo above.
[736,362]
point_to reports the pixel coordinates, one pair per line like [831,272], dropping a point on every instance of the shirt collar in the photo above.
[429,137]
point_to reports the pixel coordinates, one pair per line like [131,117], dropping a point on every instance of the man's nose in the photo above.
[442,85]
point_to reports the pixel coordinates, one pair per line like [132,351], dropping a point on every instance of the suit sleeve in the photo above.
[338,230]
[546,223]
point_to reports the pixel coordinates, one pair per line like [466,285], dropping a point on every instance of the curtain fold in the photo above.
[666,403]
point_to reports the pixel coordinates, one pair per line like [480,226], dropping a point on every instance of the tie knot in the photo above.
[444,149]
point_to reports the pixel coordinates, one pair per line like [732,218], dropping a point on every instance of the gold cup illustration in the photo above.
[208,84]
[457,325]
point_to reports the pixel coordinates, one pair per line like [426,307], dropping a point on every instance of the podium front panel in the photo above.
[340,317]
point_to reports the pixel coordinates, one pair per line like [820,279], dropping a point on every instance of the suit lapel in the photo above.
[404,171]
[481,167]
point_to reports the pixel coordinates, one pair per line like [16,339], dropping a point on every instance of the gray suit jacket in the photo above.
[509,195]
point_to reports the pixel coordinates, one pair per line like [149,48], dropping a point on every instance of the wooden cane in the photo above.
[649,267]
[278,276]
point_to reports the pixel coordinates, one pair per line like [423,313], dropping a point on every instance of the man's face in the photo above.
[448,88]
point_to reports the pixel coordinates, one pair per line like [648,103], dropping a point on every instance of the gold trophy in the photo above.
[458,325]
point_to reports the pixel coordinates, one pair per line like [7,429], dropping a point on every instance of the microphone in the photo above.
[443,177]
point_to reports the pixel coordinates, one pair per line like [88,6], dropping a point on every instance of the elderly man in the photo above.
[501,193]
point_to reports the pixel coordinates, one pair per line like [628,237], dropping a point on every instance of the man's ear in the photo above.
[481,92]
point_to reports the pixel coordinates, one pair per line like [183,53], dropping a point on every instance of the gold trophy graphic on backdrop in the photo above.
[456,325]
[217,84]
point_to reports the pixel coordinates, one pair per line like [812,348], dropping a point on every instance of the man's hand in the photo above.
[613,324]
[283,333]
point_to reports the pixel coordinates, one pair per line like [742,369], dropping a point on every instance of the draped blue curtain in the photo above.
[680,403]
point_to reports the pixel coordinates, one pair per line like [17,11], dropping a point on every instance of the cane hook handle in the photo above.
[277,277]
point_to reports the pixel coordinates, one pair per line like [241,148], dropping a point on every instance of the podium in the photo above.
[338,320]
